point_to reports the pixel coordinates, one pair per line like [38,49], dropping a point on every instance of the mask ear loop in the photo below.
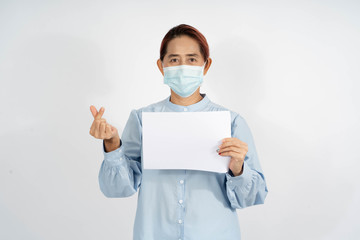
[203,66]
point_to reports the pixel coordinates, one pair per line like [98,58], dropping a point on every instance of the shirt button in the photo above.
[180,221]
[185,109]
[181,181]
[181,201]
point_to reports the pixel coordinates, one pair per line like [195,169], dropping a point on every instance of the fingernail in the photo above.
[217,150]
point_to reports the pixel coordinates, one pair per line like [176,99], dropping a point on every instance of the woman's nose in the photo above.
[182,62]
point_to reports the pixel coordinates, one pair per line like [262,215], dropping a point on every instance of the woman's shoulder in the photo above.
[238,122]
[153,107]
[235,116]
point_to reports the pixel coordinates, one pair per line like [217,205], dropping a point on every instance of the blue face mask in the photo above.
[184,79]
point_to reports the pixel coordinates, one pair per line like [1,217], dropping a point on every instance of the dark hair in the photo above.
[187,30]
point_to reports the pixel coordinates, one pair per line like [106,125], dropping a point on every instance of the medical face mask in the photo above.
[184,79]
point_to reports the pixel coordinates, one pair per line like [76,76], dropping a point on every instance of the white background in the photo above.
[290,68]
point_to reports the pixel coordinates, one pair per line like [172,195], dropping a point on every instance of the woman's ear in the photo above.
[207,65]
[159,64]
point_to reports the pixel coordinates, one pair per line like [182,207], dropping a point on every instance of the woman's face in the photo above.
[183,50]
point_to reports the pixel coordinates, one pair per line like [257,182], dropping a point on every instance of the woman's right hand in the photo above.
[100,128]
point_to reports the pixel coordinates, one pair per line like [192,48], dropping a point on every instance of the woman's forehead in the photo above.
[183,45]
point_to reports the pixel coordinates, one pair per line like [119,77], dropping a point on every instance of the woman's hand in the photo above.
[237,150]
[100,128]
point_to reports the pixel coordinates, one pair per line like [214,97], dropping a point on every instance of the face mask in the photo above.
[184,79]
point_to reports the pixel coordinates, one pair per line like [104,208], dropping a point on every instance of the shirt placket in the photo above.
[181,204]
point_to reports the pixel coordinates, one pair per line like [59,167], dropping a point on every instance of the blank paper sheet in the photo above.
[185,140]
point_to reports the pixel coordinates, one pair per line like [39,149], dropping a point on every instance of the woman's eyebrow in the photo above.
[173,55]
[192,55]
[188,55]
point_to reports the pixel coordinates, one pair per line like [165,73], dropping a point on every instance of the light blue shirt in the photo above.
[182,204]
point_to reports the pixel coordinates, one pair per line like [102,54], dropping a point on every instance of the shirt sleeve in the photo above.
[120,171]
[250,187]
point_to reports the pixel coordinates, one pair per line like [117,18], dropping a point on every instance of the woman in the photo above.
[181,204]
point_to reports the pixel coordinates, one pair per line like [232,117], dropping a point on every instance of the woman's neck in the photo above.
[192,99]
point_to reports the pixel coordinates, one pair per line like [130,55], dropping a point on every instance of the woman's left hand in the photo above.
[237,150]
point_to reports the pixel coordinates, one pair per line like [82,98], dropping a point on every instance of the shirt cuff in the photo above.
[115,157]
[241,181]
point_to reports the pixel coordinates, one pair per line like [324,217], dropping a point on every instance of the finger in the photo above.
[232,141]
[92,128]
[102,129]
[236,140]
[108,131]
[97,123]
[231,148]
[230,144]
[113,129]
[228,140]
[100,113]
[230,154]
[93,110]
[235,155]
[97,128]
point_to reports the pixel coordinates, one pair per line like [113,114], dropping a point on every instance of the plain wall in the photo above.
[290,68]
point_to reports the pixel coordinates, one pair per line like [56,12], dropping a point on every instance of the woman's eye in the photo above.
[192,60]
[173,60]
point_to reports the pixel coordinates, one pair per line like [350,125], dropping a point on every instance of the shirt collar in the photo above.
[191,108]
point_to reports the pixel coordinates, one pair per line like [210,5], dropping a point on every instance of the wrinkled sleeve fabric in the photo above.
[120,171]
[250,187]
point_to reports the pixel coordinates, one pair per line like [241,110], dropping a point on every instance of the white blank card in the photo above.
[185,140]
